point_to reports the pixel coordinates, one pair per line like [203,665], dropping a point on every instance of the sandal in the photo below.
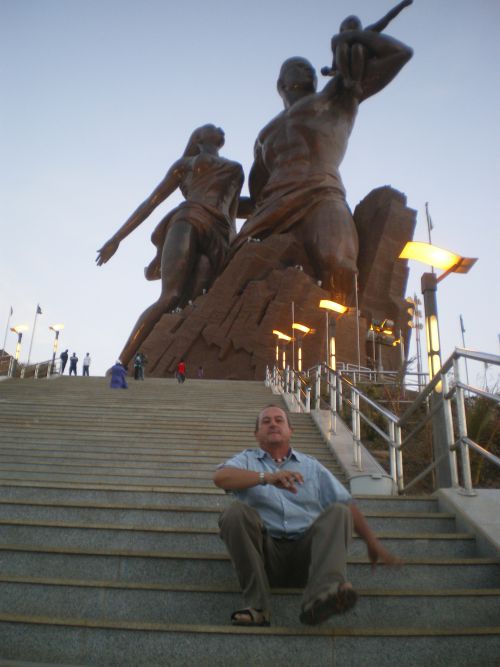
[333,602]
[254,618]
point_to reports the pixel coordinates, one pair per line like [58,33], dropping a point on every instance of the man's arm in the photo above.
[382,23]
[376,551]
[238,479]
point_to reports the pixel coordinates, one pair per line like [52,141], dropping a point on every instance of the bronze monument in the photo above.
[192,240]
[308,239]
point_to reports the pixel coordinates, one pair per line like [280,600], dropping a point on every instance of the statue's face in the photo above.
[213,135]
[350,23]
[297,74]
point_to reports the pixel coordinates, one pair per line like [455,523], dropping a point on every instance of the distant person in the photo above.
[73,360]
[118,376]
[64,360]
[200,372]
[86,364]
[139,361]
[181,372]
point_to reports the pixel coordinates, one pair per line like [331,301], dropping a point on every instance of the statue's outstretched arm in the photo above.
[382,23]
[168,185]
[387,57]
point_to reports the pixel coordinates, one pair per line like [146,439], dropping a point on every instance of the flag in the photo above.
[11,311]
[38,310]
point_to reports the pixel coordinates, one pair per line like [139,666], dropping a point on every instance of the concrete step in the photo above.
[190,517]
[206,540]
[127,565]
[106,643]
[212,605]
[68,493]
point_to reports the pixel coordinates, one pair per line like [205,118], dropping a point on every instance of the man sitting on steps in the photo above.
[291,525]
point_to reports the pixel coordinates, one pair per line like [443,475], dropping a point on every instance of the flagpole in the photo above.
[430,226]
[7,330]
[37,312]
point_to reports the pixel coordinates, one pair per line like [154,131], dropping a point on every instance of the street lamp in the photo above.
[19,329]
[331,325]
[286,339]
[449,262]
[303,331]
[380,333]
[56,328]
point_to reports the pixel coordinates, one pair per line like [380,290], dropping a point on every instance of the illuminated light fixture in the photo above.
[286,339]
[56,328]
[446,260]
[331,325]
[19,329]
[281,335]
[301,327]
[304,330]
[333,305]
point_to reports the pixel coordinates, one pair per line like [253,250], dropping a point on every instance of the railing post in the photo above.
[462,431]
[448,427]
[355,421]
[308,399]
[340,402]
[399,458]
[332,392]
[317,390]
[392,452]
[297,390]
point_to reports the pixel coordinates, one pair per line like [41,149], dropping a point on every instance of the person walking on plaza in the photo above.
[118,376]
[73,360]
[64,360]
[139,362]
[181,372]
[290,525]
[86,365]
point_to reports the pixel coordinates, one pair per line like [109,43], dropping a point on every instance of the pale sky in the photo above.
[100,97]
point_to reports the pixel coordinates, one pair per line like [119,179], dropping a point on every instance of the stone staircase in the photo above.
[109,553]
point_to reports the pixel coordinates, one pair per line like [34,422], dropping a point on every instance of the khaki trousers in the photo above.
[316,561]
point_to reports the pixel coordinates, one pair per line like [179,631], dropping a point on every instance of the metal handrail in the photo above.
[343,388]
[33,370]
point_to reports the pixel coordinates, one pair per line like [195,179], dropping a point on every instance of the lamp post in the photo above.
[380,333]
[442,429]
[280,336]
[303,331]
[56,328]
[331,326]
[19,329]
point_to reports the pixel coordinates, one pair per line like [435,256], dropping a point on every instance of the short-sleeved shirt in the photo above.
[287,514]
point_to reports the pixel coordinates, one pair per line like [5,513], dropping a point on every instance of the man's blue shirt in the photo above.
[287,514]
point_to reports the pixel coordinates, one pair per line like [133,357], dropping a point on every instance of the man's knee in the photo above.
[238,515]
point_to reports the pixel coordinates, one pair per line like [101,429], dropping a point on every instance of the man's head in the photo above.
[272,429]
[350,23]
[297,78]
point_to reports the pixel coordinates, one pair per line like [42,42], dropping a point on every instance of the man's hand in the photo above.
[376,553]
[285,479]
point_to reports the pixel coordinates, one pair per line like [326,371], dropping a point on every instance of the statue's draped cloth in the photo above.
[215,230]
[287,200]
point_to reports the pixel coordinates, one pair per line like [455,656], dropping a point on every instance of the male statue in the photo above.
[295,183]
